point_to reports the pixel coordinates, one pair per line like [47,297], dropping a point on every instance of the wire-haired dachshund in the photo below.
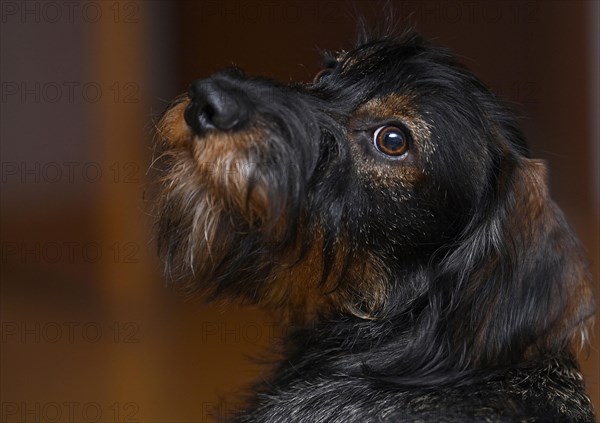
[390,214]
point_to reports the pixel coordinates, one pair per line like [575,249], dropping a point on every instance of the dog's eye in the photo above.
[391,140]
[322,75]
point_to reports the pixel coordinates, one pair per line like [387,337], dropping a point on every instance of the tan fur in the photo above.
[222,161]
[300,295]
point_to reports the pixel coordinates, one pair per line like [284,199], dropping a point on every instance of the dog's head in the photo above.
[395,186]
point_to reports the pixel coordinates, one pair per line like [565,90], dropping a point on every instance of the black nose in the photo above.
[216,105]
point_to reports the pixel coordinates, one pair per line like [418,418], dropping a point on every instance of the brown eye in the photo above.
[322,75]
[391,141]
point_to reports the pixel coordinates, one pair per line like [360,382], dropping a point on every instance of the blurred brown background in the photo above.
[88,331]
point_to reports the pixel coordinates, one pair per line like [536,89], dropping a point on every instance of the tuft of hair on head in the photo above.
[388,25]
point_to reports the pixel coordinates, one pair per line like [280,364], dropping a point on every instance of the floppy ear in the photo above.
[523,285]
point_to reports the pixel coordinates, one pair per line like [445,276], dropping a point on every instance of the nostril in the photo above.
[191,116]
[199,116]
[206,116]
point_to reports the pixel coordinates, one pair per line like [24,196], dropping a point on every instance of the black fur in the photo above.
[485,285]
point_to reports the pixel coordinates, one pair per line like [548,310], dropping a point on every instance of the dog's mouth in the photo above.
[227,162]
[228,166]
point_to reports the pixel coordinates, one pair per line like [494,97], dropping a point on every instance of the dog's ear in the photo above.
[523,286]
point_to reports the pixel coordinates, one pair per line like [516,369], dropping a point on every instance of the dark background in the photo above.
[88,331]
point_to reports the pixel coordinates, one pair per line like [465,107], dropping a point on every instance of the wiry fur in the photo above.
[442,286]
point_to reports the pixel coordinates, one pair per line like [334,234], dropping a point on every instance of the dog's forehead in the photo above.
[379,54]
[378,69]
[402,65]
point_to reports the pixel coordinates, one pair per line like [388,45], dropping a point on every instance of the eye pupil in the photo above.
[393,140]
[390,140]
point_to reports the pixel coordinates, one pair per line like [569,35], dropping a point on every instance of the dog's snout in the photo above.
[216,105]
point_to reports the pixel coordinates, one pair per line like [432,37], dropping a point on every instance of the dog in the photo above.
[390,214]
